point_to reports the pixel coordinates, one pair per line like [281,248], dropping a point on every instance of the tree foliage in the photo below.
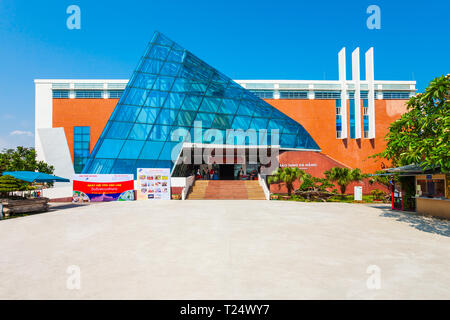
[421,136]
[344,176]
[286,175]
[22,159]
[10,184]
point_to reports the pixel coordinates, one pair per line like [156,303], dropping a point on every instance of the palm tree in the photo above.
[343,176]
[286,175]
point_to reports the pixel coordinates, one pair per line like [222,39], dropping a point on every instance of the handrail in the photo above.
[189,182]
[262,183]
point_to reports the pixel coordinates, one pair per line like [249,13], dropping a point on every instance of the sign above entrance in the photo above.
[153,184]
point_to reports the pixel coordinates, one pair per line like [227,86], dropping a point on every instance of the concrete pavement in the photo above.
[224,250]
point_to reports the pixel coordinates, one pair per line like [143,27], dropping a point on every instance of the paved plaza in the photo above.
[224,250]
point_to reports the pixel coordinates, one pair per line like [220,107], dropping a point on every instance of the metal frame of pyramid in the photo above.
[173,89]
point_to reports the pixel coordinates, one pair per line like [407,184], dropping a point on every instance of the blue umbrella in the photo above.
[31,176]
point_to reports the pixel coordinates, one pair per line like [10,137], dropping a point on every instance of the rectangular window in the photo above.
[327,95]
[366,118]
[352,119]
[81,147]
[433,188]
[60,94]
[391,95]
[91,94]
[338,119]
[362,94]
[115,94]
[293,94]
[263,94]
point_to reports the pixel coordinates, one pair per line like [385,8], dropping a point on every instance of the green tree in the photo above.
[10,184]
[344,176]
[314,184]
[22,159]
[286,175]
[421,136]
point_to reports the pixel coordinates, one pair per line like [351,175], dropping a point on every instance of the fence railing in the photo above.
[263,184]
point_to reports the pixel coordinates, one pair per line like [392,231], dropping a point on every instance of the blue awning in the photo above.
[31,176]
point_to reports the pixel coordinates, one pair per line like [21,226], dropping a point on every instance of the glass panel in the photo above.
[155,99]
[181,85]
[163,40]
[159,133]
[170,69]
[185,118]
[163,83]
[151,66]
[110,148]
[151,150]
[140,131]
[241,122]
[127,113]
[209,105]
[119,130]
[174,100]
[191,102]
[176,56]
[205,118]
[228,106]
[222,121]
[144,80]
[131,149]
[166,116]
[158,52]
[245,108]
[124,167]
[136,97]
[148,115]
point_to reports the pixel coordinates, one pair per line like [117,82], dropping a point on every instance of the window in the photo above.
[293,95]
[327,95]
[81,147]
[366,118]
[338,119]
[352,119]
[263,94]
[115,94]
[391,95]
[362,94]
[92,94]
[432,188]
[60,94]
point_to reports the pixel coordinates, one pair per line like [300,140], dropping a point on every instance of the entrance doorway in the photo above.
[226,171]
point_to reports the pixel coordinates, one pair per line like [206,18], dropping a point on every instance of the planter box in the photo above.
[11,207]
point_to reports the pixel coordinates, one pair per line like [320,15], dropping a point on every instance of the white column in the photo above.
[370,77]
[342,79]
[356,79]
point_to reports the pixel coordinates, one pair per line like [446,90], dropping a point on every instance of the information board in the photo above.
[153,184]
[102,187]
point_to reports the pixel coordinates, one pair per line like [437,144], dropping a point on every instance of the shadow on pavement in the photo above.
[65,205]
[422,223]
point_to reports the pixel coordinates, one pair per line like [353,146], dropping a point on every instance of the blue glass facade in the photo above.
[172,97]
[352,118]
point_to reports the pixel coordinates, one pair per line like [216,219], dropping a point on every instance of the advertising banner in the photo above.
[103,187]
[153,184]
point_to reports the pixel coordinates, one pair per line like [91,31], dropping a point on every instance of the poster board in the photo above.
[153,184]
[358,193]
[102,187]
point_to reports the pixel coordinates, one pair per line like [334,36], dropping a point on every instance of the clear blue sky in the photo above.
[245,39]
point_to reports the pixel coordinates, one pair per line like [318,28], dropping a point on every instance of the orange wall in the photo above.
[69,113]
[318,117]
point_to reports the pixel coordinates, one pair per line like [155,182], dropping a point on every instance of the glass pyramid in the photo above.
[173,89]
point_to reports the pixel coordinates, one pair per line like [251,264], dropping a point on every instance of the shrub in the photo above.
[377,194]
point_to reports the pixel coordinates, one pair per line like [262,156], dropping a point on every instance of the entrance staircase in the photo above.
[226,189]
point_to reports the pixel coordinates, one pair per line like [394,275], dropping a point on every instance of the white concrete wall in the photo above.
[55,151]
[43,112]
